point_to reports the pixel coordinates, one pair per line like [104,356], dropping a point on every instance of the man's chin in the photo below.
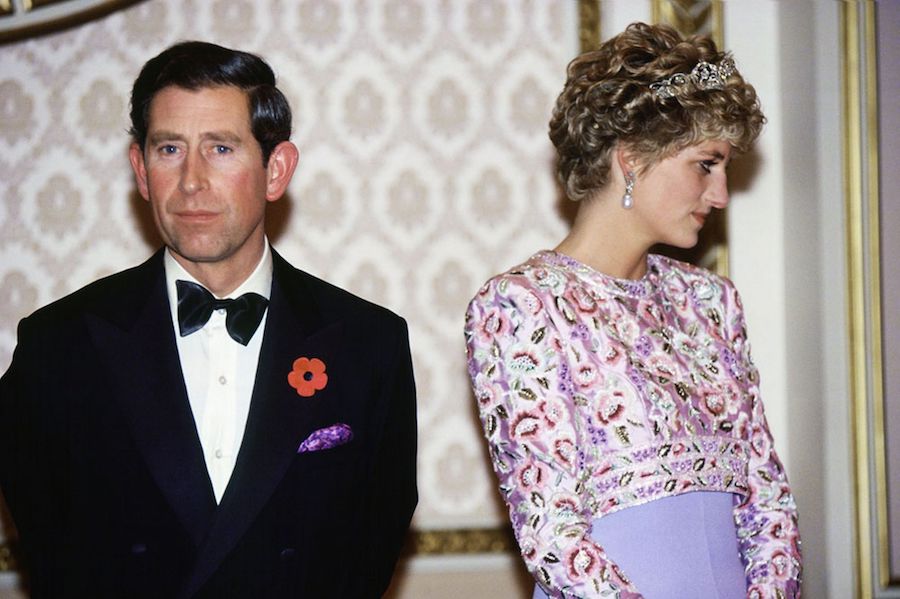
[199,255]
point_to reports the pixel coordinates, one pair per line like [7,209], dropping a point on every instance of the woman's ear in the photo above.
[626,159]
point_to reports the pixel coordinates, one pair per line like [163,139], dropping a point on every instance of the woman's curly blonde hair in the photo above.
[607,100]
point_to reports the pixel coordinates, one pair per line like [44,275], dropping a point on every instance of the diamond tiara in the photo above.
[703,76]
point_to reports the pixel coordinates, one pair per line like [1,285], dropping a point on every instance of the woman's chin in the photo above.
[686,243]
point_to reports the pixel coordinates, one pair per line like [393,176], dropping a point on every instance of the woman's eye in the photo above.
[707,165]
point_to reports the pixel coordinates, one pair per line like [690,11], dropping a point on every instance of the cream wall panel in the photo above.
[787,258]
[615,15]
[756,213]
[837,546]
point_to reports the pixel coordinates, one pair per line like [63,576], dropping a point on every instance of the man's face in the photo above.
[202,172]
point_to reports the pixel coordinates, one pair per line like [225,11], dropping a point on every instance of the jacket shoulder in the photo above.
[330,299]
[99,295]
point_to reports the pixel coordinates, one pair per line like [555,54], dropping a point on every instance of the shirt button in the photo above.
[221,310]
[222,380]
[218,454]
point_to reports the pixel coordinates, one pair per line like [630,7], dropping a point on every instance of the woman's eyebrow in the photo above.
[715,155]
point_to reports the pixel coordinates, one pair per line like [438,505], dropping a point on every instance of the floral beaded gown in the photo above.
[600,394]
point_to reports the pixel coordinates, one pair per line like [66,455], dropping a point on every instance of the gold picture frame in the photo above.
[31,18]
[8,560]
[589,36]
[691,17]
[873,543]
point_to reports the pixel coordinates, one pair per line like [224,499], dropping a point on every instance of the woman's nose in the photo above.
[717,192]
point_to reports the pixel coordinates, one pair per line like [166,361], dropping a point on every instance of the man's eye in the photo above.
[168,149]
[220,149]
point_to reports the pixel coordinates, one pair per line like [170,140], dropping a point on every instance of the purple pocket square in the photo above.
[326,438]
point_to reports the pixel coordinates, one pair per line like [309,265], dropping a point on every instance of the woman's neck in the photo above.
[603,238]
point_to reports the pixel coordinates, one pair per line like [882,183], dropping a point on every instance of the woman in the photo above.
[615,386]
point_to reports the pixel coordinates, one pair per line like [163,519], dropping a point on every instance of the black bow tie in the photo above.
[196,305]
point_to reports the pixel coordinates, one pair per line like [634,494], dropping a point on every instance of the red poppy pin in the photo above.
[308,376]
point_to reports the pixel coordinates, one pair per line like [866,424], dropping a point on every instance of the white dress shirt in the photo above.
[219,372]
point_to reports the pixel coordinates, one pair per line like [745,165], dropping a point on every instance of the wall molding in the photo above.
[30,18]
[461,541]
[8,557]
[859,70]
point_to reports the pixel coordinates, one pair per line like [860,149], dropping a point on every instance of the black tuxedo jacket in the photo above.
[101,464]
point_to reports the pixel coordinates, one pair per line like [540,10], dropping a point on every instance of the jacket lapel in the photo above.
[136,341]
[279,419]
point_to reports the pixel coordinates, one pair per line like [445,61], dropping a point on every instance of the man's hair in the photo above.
[196,65]
[609,98]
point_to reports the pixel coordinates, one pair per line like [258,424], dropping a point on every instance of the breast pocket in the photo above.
[345,455]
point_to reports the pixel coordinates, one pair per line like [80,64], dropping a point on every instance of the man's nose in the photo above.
[193,174]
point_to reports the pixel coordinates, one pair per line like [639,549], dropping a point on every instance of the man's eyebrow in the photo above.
[163,135]
[221,136]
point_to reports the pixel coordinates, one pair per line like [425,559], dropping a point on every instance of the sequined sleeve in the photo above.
[767,517]
[520,374]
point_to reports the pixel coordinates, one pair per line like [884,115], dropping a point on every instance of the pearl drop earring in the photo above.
[628,199]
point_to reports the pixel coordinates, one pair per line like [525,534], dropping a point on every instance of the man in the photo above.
[157,441]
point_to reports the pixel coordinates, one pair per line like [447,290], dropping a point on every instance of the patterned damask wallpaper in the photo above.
[425,168]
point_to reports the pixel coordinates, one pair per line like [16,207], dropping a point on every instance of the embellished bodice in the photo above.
[599,393]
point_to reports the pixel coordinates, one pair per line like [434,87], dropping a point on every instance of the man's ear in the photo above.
[282,162]
[136,157]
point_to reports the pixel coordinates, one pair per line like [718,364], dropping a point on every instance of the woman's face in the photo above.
[674,197]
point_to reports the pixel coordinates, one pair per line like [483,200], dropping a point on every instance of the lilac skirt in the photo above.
[675,547]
